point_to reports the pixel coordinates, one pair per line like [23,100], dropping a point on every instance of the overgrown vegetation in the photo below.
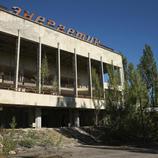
[44,69]
[130,114]
[7,138]
[97,95]
[10,139]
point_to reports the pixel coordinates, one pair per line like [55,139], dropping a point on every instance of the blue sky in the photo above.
[124,25]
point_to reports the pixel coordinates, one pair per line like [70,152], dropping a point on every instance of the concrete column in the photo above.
[121,75]
[17,61]
[90,76]
[122,81]
[39,56]
[76,75]
[70,118]
[112,63]
[102,75]
[76,119]
[59,70]
[38,118]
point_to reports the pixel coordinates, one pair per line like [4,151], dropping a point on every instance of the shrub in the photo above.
[8,144]
[13,123]
[29,139]
[27,142]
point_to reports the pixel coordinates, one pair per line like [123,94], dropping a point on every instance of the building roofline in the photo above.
[2,8]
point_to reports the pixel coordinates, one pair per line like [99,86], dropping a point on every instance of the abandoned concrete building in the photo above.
[46,74]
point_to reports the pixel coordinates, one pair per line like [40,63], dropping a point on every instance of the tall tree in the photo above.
[137,96]
[97,94]
[113,100]
[148,70]
[156,91]
[44,69]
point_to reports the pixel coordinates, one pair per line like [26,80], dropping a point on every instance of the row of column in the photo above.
[38,115]
[59,68]
[74,118]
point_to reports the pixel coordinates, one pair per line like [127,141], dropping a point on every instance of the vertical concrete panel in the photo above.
[38,118]
[90,76]
[59,70]
[76,119]
[102,74]
[76,74]
[17,61]
[39,55]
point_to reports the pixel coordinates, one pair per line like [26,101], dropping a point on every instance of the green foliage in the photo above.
[156,91]
[47,140]
[32,138]
[32,134]
[113,95]
[44,69]
[8,140]
[27,142]
[97,94]
[8,144]
[126,118]
[59,142]
[98,90]
[55,84]
[137,88]
[29,139]
[149,73]
[13,123]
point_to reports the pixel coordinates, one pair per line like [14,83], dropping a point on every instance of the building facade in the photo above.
[46,74]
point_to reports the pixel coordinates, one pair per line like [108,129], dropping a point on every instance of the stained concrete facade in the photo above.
[70,63]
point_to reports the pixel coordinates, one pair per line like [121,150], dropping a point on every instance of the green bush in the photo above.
[13,123]
[27,142]
[29,139]
[32,134]
[46,141]
[8,144]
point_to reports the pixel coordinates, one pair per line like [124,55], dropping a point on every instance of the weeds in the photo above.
[27,142]
[7,139]
[13,123]
[29,139]
[8,143]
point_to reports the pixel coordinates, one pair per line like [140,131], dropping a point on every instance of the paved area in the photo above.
[88,151]
[85,151]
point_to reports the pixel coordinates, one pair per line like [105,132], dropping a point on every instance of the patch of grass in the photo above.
[29,139]
[59,142]
[8,144]
[32,134]
[13,123]
[46,141]
[27,142]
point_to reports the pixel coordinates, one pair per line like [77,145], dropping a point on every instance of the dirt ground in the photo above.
[77,143]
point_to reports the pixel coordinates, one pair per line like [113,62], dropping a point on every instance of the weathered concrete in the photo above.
[32,99]
[59,69]
[10,24]
[38,118]
[76,75]
[76,119]
[90,76]
[39,65]
[17,61]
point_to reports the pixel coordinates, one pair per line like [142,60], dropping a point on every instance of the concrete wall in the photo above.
[30,99]
[10,24]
